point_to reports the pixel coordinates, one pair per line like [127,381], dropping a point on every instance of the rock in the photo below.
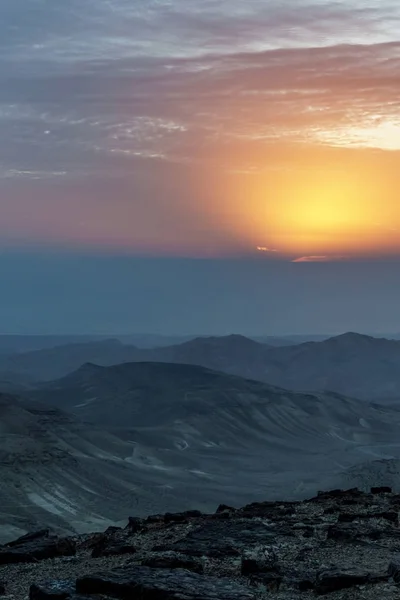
[270,581]
[173,560]
[394,569]
[29,537]
[112,530]
[305,585]
[381,490]
[112,548]
[155,519]
[351,495]
[224,508]
[35,547]
[338,579]
[2,588]
[182,517]
[165,584]
[350,532]
[92,540]
[391,516]
[275,511]
[135,524]
[258,561]
[55,590]
[219,539]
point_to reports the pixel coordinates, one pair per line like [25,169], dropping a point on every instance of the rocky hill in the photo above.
[339,544]
[54,470]
[210,437]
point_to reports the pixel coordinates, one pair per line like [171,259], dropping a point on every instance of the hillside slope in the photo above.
[238,436]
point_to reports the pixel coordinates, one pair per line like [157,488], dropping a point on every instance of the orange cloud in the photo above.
[318,259]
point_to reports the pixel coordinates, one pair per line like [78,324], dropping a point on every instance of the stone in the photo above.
[29,537]
[166,584]
[258,560]
[381,490]
[112,548]
[218,539]
[391,516]
[135,524]
[350,532]
[182,517]
[394,569]
[54,590]
[35,547]
[173,560]
[224,508]
[337,579]
[270,581]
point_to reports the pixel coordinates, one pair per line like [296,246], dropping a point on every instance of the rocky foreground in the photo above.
[344,544]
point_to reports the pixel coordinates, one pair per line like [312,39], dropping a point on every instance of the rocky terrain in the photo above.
[344,545]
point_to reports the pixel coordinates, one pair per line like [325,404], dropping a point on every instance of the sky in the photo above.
[221,143]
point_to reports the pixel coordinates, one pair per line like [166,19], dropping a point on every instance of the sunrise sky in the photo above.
[213,129]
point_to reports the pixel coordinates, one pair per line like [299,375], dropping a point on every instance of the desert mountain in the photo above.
[49,363]
[351,364]
[55,471]
[238,436]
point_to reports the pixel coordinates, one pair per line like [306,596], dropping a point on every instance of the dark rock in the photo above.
[182,517]
[154,519]
[220,539]
[350,532]
[381,490]
[224,508]
[54,590]
[338,579]
[271,581]
[29,537]
[135,524]
[394,569]
[305,585]
[391,516]
[112,529]
[258,561]
[36,547]
[92,540]
[173,560]
[276,511]
[162,584]
[2,588]
[351,495]
[112,548]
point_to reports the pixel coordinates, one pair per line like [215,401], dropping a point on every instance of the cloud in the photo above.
[321,258]
[265,249]
[140,106]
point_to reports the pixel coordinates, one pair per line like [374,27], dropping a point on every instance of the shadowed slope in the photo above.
[239,436]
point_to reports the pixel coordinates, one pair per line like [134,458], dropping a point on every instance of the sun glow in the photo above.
[330,214]
[316,212]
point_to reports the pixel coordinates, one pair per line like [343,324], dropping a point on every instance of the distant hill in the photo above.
[57,361]
[351,364]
